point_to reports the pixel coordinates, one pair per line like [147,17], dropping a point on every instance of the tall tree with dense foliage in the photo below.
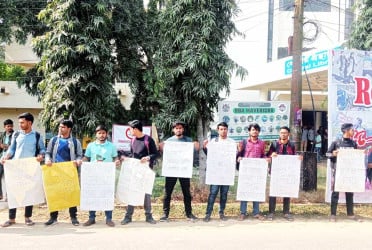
[191,64]
[361,36]
[77,63]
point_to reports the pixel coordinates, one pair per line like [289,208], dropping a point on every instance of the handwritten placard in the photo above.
[136,179]
[350,171]
[285,176]
[252,180]
[178,159]
[61,185]
[97,186]
[24,182]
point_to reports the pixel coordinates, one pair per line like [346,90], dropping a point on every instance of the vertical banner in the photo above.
[24,182]
[136,179]
[252,180]
[285,176]
[61,185]
[178,159]
[350,101]
[350,171]
[221,161]
[97,186]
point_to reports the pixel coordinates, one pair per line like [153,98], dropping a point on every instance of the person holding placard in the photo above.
[170,182]
[25,143]
[345,142]
[143,147]
[101,150]
[62,148]
[5,139]
[253,147]
[283,146]
[222,129]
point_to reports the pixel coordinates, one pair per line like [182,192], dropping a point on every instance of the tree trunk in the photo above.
[202,131]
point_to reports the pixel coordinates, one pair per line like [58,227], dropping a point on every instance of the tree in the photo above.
[191,64]
[361,35]
[77,64]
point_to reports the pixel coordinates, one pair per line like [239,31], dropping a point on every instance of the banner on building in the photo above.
[350,101]
[61,185]
[122,137]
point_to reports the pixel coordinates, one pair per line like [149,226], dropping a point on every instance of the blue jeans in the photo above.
[108,214]
[212,197]
[317,151]
[243,207]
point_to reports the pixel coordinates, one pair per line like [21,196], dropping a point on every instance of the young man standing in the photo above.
[5,139]
[253,147]
[64,148]
[346,142]
[222,129]
[170,182]
[101,150]
[25,143]
[143,148]
[281,147]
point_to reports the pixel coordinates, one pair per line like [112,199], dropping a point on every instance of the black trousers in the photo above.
[349,203]
[13,212]
[170,182]
[71,210]
[272,204]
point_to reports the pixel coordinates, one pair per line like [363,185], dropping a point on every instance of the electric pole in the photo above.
[296,82]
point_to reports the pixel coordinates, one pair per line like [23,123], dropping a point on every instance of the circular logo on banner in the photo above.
[128,134]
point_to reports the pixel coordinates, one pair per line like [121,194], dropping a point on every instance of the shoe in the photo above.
[192,217]
[29,222]
[89,223]
[354,218]
[288,217]
[332,218]
[223,217]
[207,218]
[241,217]
[74,222]
[270,217]
[51,222]
[150,220]
[8,223]
[164,218]
[110,223]
[126,221]
[258,217]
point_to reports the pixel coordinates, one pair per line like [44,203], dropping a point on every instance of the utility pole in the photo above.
[296,83]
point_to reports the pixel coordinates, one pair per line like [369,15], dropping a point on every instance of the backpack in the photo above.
[37,135]
[54,140]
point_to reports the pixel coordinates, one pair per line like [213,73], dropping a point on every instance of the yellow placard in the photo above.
[61,185]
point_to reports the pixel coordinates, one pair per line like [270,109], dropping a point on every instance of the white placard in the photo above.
[252,180]
[178,159]
[97,186]
[24,182]
[350,171]
[136,179]
[285,176]
[221,161]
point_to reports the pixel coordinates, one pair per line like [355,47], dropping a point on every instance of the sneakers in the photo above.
[89,223]
[29,222]
[332,218]
[207,218]
[223,217]
[51,222]
[270,217]
[258,217]
[241,217]
[110,223]
[150,220]
[8,223]
[164,218]
[192,217]
[74,222]
[288,217]
[126,221]
[354,218]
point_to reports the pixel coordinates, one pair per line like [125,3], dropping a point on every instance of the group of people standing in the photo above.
[64,147]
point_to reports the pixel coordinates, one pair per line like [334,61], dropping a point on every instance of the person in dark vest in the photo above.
[5,139]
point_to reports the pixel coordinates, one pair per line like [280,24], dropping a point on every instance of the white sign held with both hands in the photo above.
[178,158]
[285,176]
[136,179]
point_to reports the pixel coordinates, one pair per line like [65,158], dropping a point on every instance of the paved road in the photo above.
[249,234]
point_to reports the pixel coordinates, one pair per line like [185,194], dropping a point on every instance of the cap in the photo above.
[346,126]
[135,124]
[101,127]
[178,123]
